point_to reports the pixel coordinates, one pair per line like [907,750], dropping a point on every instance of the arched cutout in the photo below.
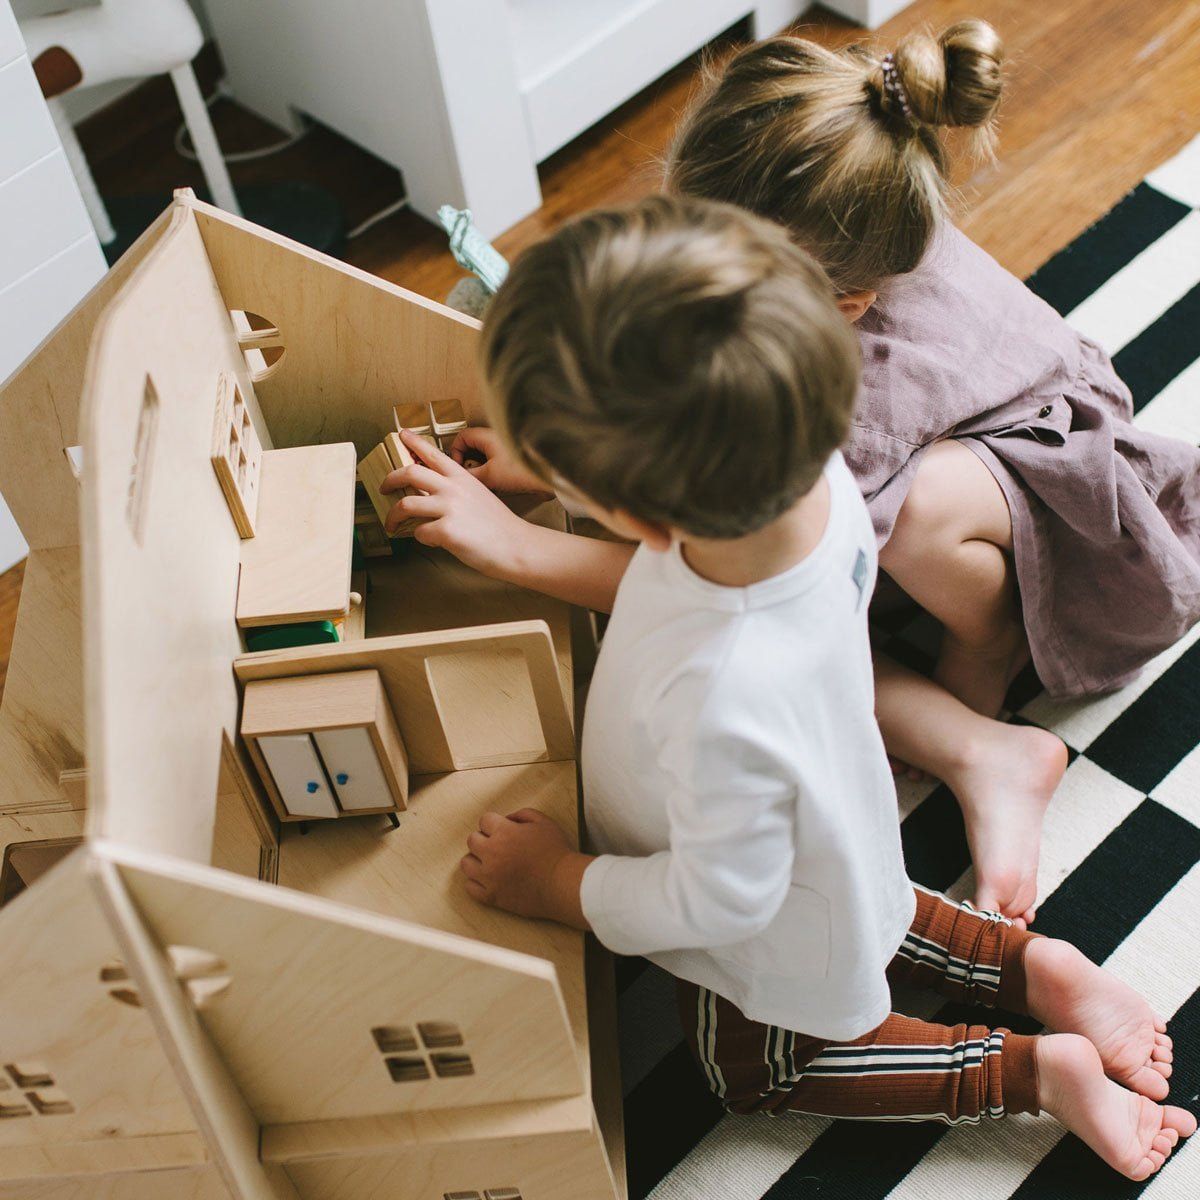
[261,343]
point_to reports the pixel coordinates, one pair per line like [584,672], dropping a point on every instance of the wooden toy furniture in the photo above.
[200,1000]
[325,744]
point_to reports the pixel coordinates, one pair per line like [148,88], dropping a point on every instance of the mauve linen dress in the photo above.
[1106,517]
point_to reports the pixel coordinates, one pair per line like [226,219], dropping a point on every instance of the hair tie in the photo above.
[892,86]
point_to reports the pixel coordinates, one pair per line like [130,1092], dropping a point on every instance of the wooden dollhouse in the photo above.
[238,961]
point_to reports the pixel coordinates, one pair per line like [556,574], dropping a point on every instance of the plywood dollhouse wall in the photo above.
[170,1026]
[41,721]
[353,345]
[160,597]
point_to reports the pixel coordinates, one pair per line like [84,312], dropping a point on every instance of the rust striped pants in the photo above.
[907,1069]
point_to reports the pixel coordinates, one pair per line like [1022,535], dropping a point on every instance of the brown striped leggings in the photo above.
[907,1069]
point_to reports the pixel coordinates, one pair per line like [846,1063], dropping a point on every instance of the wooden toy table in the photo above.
[199,1001]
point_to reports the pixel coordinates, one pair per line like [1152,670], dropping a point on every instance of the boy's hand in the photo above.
[525,864]
[499,471]
[457,512]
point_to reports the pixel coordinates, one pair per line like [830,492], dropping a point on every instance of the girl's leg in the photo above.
[951,551]
[1003,777]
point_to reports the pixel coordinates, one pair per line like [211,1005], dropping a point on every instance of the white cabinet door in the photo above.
[353,765]
[298,774]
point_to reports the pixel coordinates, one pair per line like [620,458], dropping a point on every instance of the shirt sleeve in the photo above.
[732,814]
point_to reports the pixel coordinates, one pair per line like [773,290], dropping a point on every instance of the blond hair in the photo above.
[681,360]
[842,147]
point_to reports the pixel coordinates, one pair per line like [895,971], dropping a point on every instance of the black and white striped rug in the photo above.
[1120,871]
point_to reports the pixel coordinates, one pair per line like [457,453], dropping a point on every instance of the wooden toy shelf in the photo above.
[204,997]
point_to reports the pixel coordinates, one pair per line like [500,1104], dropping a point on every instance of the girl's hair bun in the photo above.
[954,79]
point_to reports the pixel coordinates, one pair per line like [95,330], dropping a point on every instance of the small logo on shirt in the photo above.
[859,576]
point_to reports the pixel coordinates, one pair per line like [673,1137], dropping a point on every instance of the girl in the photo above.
[1011,496]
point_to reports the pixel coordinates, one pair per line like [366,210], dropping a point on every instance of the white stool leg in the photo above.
[195,114]
[83,173]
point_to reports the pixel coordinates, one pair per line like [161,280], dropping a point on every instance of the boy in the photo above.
[680,370]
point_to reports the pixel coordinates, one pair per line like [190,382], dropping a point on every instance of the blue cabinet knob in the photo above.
[342,777]
[312,785]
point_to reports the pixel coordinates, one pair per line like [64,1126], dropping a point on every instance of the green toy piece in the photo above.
[283,637]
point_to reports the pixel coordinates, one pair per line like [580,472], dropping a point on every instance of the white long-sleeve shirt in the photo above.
[737,789]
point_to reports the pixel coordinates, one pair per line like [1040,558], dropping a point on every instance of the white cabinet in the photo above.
[326,745]
[465,97]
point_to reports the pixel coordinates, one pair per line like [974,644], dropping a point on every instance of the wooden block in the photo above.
[236,455]
[372,471]
[353,731]
[390,455]
[446,419]
[297,566]
[414,417]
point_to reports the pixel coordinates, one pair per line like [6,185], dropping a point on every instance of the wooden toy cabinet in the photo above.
[202,998]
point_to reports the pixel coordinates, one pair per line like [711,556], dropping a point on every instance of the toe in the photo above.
[1143,1170]
[1179,1119]
[1157,1158]
[1149,1083]
[1160,1026]
[1029,914]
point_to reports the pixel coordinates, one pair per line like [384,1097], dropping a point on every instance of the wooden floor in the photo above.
[1100,92]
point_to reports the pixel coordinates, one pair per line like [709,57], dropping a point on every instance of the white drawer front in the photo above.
[297,772]
[41,214]
[31,307]
[353,766]
[26,130]
[12,45]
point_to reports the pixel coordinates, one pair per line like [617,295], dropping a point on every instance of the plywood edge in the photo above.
[303,660]
[381,1135]
[118,857]
[210,217]
[220,1110]
[98,1158]
[607,1093]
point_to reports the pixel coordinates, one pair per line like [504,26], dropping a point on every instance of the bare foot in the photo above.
[1003,783]
[1068,993]
[980,676]
[1131,1133]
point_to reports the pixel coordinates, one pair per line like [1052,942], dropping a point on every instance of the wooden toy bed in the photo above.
[207,991]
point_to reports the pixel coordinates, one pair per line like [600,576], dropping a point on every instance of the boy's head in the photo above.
[679,361]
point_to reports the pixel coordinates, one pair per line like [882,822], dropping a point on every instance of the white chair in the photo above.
[123,39]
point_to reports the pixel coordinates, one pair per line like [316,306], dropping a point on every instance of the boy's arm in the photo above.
[459,514]
[723,880]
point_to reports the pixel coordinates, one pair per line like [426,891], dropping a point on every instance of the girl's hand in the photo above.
[457,512]
[499,471]
[525,864]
